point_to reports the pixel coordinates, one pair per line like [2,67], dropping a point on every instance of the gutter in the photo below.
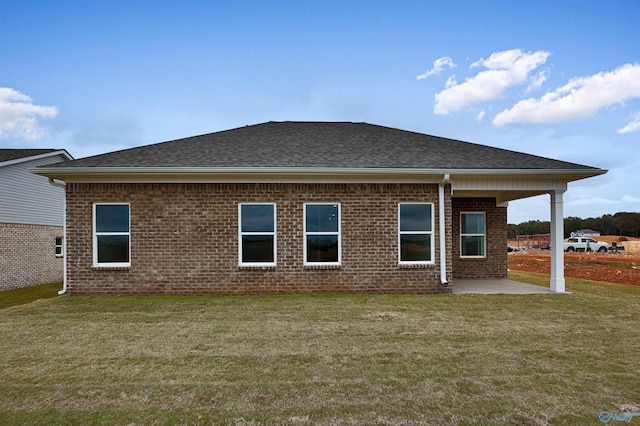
[443,240]
[64,236]
[311,170]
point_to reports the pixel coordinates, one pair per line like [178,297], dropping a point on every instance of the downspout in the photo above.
[443,239]
[64,236]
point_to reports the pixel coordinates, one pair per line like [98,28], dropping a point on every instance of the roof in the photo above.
[12,156]
[320,145]
[328,152]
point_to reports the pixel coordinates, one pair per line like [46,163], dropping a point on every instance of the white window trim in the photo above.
[339,233]
[432,239]
[240,234]
[96,234]
[484,240]
[61,245]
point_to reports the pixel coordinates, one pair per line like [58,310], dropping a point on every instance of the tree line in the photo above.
[623,224]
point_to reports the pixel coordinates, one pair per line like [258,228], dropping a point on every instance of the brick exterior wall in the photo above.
[494,265]
[27,255]
[184,240]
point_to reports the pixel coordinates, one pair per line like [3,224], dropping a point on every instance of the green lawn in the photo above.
[20,296]
[449,359]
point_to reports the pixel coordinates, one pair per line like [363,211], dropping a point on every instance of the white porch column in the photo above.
[557,237]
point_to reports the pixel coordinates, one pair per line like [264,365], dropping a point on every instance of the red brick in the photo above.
[494,265]
[184,240]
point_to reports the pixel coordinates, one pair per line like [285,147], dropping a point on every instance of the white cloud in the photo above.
[590,201]
[634,126]
[438,66]
[480,116]
[537,81]
[20,118]
[580,98]
[584,200]
[504,69]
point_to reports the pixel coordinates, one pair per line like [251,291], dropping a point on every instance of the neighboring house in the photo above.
[31,219]
[585,233]
[300,207]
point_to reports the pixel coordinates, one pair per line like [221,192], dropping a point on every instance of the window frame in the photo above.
[249,233]
[431,233]
[59,248]
[96,234]
[474,234]
[307,234]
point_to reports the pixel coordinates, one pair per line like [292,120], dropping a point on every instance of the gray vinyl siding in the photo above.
[28,198]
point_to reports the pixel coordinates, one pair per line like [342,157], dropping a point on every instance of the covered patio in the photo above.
[517,185]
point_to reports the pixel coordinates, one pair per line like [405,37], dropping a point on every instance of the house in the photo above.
[585,233]
[31,219]
[300,207]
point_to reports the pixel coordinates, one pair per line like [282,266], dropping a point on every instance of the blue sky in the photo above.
[559,79]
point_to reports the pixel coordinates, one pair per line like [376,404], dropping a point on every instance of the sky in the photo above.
[557,78]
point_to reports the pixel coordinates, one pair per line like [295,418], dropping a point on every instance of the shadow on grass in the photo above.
[22,296]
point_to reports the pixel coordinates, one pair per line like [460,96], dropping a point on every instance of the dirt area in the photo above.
[609,267]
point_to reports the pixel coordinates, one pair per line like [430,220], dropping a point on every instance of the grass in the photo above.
[350,359]
[22,296]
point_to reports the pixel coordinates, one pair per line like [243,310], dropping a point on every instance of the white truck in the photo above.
[584,244]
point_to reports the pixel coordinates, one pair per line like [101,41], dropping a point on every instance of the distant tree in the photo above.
[512,231]
[531,227]
[572,224]
[622,223]
[628,223]
[595,223]
[608,225]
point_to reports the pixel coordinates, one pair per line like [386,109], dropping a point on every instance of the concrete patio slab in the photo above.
[497,287]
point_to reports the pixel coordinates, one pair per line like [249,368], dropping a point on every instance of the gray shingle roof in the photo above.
[320,144]
[14,154]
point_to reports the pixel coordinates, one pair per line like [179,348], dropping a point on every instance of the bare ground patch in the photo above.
[607,267]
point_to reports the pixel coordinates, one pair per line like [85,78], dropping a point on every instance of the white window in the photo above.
[58,246]
[111,236]
[322,234]
[415,233]
[257,234]
[472,234]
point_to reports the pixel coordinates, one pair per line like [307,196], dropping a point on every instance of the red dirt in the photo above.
[608,267]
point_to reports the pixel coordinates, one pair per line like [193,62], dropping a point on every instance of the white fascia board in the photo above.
[226,174]
[297,174]
[62,152]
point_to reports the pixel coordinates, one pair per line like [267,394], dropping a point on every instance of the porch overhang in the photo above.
[516,186]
